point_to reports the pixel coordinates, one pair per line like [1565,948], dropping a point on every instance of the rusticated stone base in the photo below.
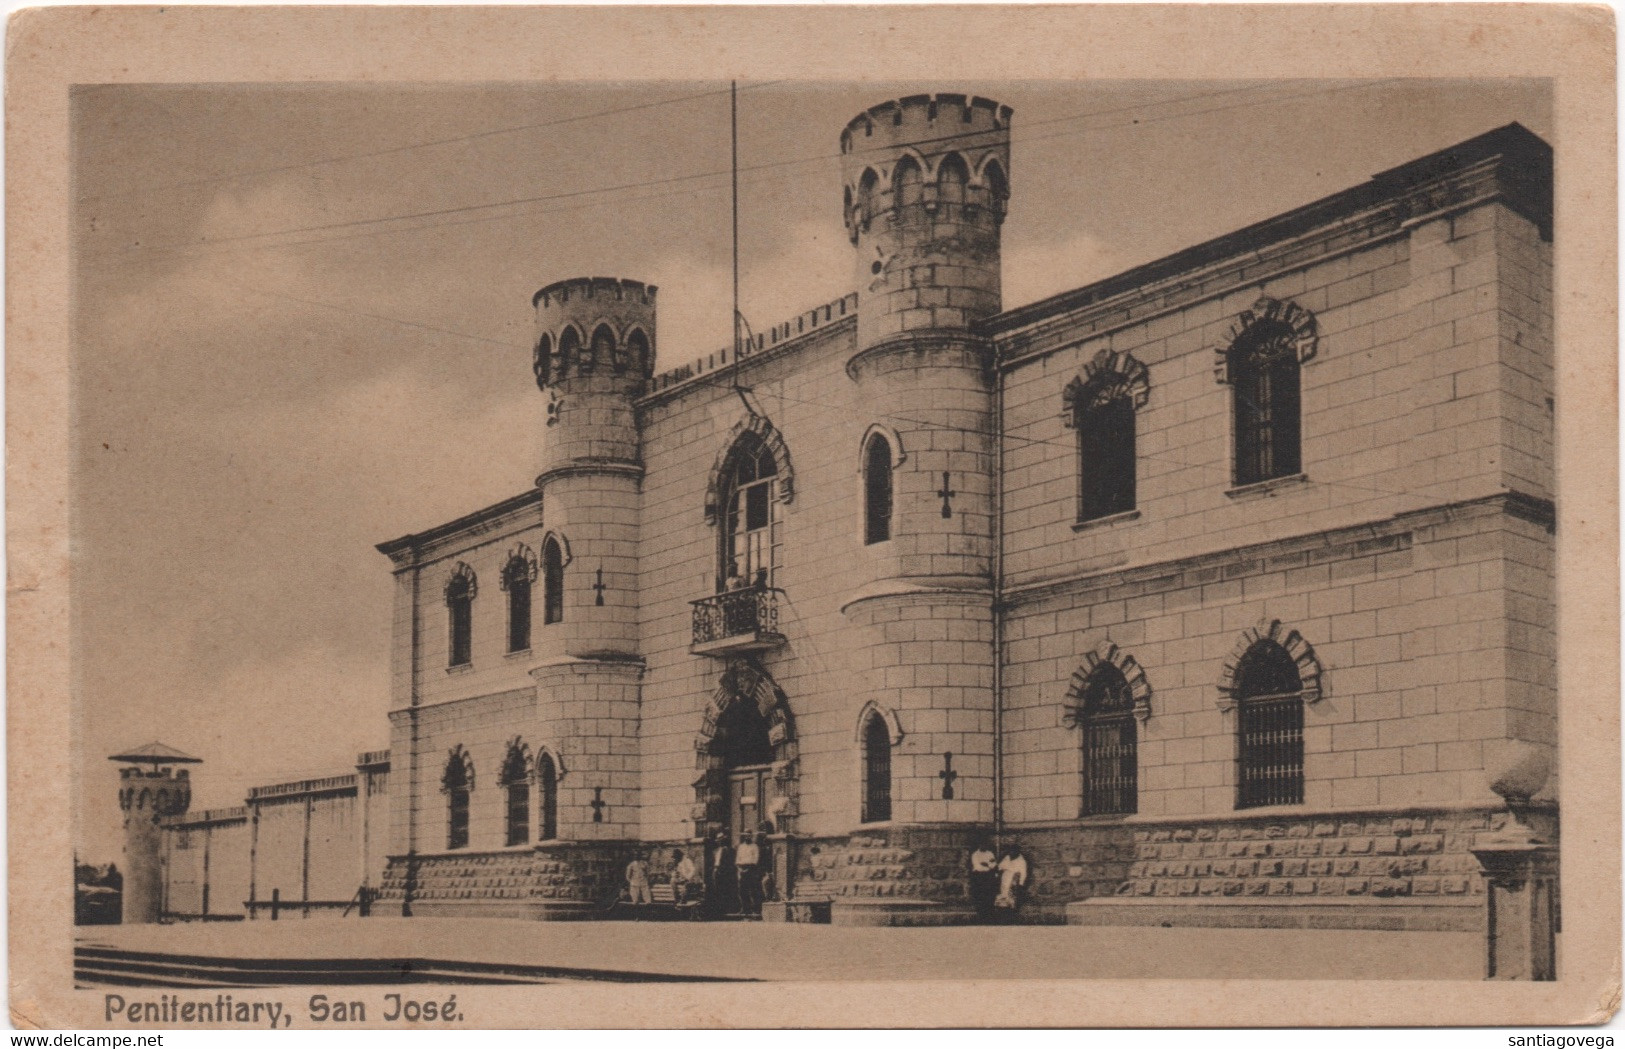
[920,865]
[1393,869]
[552,882]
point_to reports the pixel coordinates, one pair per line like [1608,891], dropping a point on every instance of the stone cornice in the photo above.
[1509,165]
[899,350]
[418,547]
[592,468]
[1377,537]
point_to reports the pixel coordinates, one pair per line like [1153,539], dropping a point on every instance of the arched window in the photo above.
[750,524]
[460,592]
[952,176]
[516,788]
[569,351]
[1106,460]
[1110,743]
[877,490]
[543,364]
[1269,696]
[906,181]
[552,582]
[876,770]
[867,186]
[637,352]
[547,787]
[1101,405]
[1264,372]
[517,576]
[997,185]
[600,351]
[458,783]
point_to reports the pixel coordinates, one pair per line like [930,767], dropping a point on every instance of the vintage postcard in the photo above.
[992,504]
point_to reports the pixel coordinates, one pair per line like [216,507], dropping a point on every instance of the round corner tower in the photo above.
[926,182]
[925,187]
[146,797]
[594,357]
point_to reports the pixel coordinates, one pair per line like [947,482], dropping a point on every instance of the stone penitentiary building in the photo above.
[1222,587]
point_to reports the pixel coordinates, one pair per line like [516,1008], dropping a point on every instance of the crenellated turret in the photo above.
[926,185]
[594,357]
[147,795]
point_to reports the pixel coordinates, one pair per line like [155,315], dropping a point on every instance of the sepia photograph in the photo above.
[537,534]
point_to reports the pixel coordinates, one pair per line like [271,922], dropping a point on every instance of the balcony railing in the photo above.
[737,621]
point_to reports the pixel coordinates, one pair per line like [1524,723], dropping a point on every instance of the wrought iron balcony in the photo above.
[737,621]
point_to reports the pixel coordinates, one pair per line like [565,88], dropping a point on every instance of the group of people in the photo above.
[998,881]
[682,878]
[733,884]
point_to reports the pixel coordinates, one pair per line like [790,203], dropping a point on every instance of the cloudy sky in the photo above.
[302,327]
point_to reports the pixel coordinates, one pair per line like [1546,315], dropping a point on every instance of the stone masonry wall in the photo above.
[1406,619]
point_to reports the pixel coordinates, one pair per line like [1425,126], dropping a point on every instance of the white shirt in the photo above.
[748,855]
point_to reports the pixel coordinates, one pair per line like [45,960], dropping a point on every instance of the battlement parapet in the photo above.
[595,326]
[345,783]
[373,760]
[208,817]
[779,334]
[918,119]
[620,289]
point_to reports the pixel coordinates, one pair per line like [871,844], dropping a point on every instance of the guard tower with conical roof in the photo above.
[151,787]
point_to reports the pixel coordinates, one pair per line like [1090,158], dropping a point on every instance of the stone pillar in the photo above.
[1520,871]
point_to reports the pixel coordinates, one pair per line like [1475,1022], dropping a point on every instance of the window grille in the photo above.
[460,605]
[516,781]
[457,790]
[1268,416]
[876,771]
[1110,744]
[547,780]
[877,491]
[1106,462]
[518,813]
[516,577]
[1270,724]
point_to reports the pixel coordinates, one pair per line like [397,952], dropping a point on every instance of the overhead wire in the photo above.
[1019,138]
[408,147]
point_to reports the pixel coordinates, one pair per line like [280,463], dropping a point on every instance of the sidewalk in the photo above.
[823,952]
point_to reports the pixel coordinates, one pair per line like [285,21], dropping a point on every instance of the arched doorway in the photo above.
[747,758]
[746,755]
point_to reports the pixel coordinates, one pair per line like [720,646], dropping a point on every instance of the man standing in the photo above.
[682,876]
[637,881]
[749,859]
[984,879]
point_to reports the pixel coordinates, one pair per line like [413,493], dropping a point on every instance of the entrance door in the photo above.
[747,800]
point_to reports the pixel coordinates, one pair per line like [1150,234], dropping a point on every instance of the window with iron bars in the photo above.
[876,771]
[1264,374]
[1270,728]
[1110,744]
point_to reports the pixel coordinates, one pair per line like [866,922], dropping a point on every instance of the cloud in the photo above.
[1037,269]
